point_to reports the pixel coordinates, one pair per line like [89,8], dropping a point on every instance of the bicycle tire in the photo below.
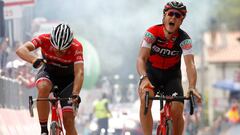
[30,106]
[54,129]
[169,127]
[159,130]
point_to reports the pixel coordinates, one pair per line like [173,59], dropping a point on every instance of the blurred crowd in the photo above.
[13,67]
[223,122]
[228,119]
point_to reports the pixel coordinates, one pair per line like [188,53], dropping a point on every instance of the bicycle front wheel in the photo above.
[169,126]
[54,129]
[159,130]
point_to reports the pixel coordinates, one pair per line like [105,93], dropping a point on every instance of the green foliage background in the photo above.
[228,11]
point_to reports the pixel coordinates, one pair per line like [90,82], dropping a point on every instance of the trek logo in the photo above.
[36,41]
[165,51]
[77,52]
[59,65]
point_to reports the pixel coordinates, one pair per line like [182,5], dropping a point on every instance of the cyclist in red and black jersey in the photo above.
[159,63]
[63,67]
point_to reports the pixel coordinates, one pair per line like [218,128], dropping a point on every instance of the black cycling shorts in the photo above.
[64,84]
[167,82]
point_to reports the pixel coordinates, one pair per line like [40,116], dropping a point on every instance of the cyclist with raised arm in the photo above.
[159,62]
[63,67]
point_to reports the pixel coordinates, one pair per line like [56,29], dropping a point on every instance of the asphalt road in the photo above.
[234,130]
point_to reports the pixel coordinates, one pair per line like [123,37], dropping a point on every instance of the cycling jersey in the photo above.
[166,54]
[59,65]
[59,69]
[164,63]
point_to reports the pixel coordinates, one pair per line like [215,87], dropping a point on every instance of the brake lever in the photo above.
[192,103]
[146,102]
[75,105]
[30,106]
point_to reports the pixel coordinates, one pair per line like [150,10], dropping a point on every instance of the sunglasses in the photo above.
[176,14]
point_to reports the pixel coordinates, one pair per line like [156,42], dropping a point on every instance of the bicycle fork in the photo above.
[164,117]
[56,124]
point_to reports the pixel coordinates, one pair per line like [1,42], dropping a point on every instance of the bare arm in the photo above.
[191,71]
[24,52]
[141,61]
[192,75]
[142,58]
[78,78]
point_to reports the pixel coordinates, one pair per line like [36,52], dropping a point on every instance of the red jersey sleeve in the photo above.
[38,41]
[150,35]
[78,53]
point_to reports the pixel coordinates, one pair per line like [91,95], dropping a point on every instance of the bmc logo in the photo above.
[165,51]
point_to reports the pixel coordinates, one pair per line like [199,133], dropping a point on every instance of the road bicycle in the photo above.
[165,124]
[56,124]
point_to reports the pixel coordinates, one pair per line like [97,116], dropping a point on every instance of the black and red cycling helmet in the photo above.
[175,5]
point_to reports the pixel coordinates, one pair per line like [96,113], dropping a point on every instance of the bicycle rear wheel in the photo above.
[169,126]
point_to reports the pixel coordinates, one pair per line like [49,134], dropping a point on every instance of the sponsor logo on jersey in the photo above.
[36,41]
[174,39]
[51,57]
[59,65]
[77,52]
[174,94]
[165,51]
[79,58]
[149,37]
[186,44]
[75,44]
[161,42]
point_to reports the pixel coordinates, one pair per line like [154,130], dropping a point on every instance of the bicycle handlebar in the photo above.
[192,103]
[169,99]
[52,100]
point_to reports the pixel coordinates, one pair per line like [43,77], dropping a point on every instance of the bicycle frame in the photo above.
[164,116]
[165,122]
[56,117]
[56,126]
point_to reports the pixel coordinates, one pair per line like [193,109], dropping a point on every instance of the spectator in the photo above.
[233,114]
[192,122]
[25,76]
[4,51]
[102,113]
[13,62]
[13,56]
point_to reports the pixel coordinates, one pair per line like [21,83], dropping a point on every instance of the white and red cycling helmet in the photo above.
[61,37]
